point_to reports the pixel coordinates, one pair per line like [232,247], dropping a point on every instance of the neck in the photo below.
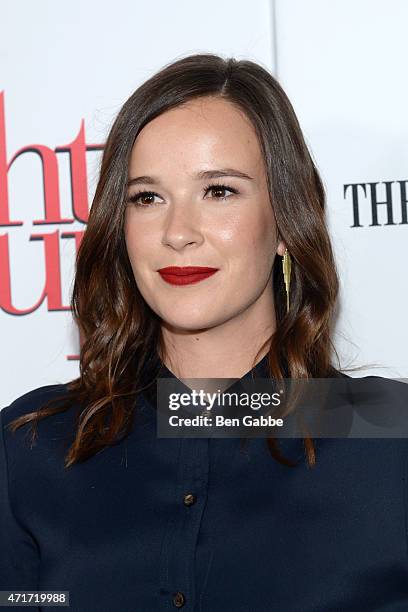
[229,350]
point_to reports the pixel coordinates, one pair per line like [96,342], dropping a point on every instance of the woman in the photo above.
[205,166]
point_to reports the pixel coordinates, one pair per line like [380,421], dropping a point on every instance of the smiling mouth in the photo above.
[175,275]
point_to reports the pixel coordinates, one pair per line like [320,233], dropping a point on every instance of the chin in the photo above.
[188,323]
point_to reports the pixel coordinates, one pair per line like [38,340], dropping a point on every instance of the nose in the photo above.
[182,226]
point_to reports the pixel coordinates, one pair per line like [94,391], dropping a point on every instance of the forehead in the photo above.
[199,133]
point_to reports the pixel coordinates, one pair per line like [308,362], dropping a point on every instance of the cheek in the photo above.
[251,241]
[134,240]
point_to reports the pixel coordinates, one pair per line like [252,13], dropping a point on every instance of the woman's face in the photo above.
[217,220]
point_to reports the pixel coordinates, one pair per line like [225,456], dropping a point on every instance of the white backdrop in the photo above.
[343,65]
[65,70]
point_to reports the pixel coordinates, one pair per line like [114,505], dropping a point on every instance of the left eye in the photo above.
[142,195]
[219,189]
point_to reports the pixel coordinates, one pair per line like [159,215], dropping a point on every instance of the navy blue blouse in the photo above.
[202,524]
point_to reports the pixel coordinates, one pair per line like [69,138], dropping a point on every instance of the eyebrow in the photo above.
[204,174]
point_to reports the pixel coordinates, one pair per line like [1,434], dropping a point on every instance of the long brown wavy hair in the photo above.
[120,333]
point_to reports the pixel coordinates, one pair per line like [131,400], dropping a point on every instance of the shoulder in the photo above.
[379,406]
[399,385]
[50,431]
[374,387]
[388,392]
[31,401]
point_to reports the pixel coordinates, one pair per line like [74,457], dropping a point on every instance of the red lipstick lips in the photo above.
[176,275]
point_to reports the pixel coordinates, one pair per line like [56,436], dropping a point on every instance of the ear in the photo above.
[281,248]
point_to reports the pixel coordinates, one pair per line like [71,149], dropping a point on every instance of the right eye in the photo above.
[143,199]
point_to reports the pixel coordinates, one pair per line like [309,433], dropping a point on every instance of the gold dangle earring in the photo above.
[287,267]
